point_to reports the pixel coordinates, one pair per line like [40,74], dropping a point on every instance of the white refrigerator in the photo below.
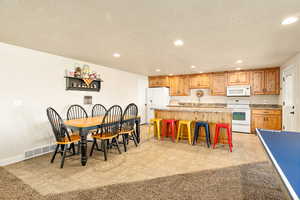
[156,98]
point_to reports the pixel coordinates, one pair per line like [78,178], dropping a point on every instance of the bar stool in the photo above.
[168,124]
[228,131]
[153,122]
[188,124]
[207,132]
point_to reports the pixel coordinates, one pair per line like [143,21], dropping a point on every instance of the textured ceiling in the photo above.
[216,33]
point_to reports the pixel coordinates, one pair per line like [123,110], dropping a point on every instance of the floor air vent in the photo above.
[39,151]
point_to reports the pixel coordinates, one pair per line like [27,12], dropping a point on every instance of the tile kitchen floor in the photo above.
[150,160]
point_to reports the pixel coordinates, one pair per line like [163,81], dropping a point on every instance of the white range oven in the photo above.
[241,115]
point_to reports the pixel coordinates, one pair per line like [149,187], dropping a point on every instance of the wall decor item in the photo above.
[77,72]
[199,94]
[82,79]
[87,100]
[85,71]
[80,84]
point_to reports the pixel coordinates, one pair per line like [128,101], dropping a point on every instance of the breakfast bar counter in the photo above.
[210,115]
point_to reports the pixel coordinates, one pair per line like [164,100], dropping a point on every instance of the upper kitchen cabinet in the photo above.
[158,81]
[179,86]
[258,82]
[272,83]
[265,82]
[218,84]
[239,78]
[199,81]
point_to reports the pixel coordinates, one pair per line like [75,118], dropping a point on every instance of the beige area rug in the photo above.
[248,181]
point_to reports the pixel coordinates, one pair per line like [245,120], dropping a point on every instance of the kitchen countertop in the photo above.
[266,106]
[222,106]
[194,109]
[200,105]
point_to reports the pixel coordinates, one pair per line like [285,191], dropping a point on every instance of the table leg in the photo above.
[137,129]
[83,144]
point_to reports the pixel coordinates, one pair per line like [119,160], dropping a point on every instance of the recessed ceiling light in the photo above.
[239,61]
[116,55]
[193,67]
[178,43]
[289,20]
[158,70]
[238,68]
[170,74]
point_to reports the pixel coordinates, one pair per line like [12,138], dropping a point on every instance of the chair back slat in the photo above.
[76,112]
[113,115]
[98,110]
[57,124]
[129,116]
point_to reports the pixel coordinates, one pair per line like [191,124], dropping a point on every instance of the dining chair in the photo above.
[76,112]
[62,136]
[128,125]
[110,127]
[98,110]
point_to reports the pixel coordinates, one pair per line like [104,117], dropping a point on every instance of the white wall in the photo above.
[294,61]
[31,81]
[207,98]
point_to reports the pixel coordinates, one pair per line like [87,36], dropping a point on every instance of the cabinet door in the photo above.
[258,82]
[179,86]
[174,86]
[272,122]
[183,86]
[258,121]
[218,84]
[272,81]
[199,81]
[233,78]
[239,78]
[244,78]
[153,82]
[158,81]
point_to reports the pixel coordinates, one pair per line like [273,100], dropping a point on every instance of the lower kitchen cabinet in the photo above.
[266,119]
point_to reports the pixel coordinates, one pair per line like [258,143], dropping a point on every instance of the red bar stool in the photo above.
[168,124]
[229,134]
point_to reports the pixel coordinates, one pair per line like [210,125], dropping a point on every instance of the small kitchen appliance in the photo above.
[238,91]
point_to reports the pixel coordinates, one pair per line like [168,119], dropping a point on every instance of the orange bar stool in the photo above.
[228,131]
[188,124]
[155,122]
[167,125]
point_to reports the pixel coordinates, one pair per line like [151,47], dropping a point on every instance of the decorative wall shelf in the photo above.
[81,84]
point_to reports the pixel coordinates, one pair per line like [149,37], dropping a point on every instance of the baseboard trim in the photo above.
[12,160]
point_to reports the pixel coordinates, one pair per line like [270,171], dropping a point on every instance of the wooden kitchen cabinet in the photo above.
[239,78]
[218,84]
[158,81]
[179,86]
[199,81]
[272,83]
[265,82]
[266,119]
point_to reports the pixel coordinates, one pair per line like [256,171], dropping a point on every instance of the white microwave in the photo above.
[238,91]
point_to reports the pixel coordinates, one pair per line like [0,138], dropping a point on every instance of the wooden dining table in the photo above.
[85,125]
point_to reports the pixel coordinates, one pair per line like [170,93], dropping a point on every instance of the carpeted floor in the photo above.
[249,181]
